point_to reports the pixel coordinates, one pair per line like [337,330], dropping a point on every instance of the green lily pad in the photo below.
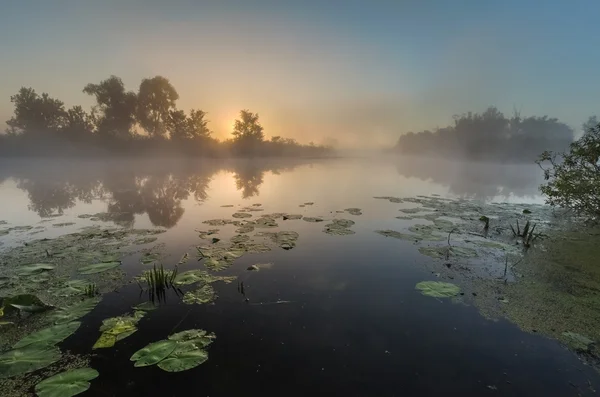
[71,288]
[312,219]
[34,268]
[185,356]
[145,306]
[199,336]
[49,336]
[26,303]
[150,257]
[28,359]
[153,353]
[202,295]
[354,211]
[292,217]
[99,267]
[438,289]
[217,265]
[191,277]
[66,384]
[75,311]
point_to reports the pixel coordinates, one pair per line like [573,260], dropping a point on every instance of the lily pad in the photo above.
[34,268]
[202,295]
[49,336]
[28,359]
[66,384]
[354,211]
[70,288]
[390,199]
[153,353]
[265,222]
[227,206]
[26,303]
[98,267]
[145,306]
[118,328]
[242,215]
[221,222]
[312,219]
[438,289]
[248,228]
[292,217]
[185,356]
[217,265]
[73,312]
[240,238]
[199,335]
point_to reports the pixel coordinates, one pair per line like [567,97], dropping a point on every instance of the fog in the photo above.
[356,76]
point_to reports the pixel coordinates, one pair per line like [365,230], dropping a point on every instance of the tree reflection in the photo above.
[474,180]
[132,188]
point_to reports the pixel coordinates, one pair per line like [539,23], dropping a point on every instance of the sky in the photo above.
[357,73]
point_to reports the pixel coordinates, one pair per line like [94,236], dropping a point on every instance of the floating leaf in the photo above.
[153,353]
[353,211]
[66,384]
[185,356]
[145,306]
[34,268]
[27,359]
[204,294]
[105,340]
[73,312]
[26,303]
[71,288]
[438,289]
[98,267]
[49,336]
[292,217]
[191,277]
[312,219]
[198,335]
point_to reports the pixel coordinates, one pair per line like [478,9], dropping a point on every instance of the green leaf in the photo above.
[204,294]
[145,306]
[115,329]
[438,289]
[185,356]
[49,336]
[34,268]
[66,384]
[26,303]
[153,353]
[73,312]
[98,267]
[71,288]
[27,359]
[105,340]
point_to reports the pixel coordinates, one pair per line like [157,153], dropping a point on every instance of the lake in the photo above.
[331,315]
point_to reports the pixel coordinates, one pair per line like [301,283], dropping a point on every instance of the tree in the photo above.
[116,107]
[574,177]
[78,124]
[248,128]
[155,101]
[194,126]
[35,114]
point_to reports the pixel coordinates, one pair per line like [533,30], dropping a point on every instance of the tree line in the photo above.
[121,121]
[491,136]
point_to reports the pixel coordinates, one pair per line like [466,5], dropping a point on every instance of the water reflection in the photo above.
[133,188]
[475,180]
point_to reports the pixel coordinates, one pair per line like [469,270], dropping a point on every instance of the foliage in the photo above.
[35,114]
[115,105]
[489,135]
[66,384]
[155,102]
[573,177]
[27,359]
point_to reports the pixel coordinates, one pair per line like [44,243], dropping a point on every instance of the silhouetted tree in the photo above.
[155,101]
[490,135]
[116,106]
[184,128]
[78,124]
[35,114]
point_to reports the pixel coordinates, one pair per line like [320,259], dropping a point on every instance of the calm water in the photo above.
[354,324]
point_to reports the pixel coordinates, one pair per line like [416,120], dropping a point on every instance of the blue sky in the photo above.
[361,72]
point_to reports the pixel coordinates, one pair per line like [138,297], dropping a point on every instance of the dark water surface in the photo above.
[353,324]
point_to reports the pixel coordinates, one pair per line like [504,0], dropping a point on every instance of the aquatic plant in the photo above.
[180,352]
[527,234]
[66,384]
[437,289]
[98,267]
[27,359]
